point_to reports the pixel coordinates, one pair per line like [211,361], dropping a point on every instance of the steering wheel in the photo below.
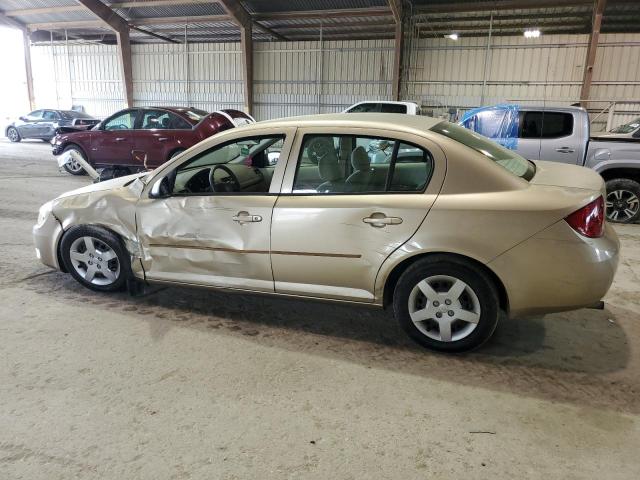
[230,185]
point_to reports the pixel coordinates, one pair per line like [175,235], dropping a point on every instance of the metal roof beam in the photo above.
[345,12]
[454,7]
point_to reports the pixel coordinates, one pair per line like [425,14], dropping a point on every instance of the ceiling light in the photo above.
[453,36]
[532,33]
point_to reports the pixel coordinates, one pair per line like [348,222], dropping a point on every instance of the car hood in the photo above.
[554,174]
[114,184]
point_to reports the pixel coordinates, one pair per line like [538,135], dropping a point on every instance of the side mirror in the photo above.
[24,119]
[161,189]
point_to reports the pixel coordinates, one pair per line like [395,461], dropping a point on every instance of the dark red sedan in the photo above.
[142,138]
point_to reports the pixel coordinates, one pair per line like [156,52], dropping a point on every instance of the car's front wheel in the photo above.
[73,166]
[96,258]
[445,303]
[13,135]
[623,200]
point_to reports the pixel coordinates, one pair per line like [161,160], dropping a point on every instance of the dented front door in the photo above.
[213,240]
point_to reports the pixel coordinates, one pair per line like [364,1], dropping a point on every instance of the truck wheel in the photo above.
[623,200]
[73,167]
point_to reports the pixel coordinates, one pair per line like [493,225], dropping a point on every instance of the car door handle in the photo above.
[120,139]
[246,217]
[380,220]
[163,139]
[565,150]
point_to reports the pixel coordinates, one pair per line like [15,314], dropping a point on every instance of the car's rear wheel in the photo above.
[73,166]
[446,304]
[13,135]
[623,200]
[96,258]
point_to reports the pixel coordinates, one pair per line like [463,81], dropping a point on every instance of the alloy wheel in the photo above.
[12,133]
[95,261]
[622,205]
[444,308]
[73,164]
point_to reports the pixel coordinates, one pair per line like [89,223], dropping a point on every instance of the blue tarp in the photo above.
[499,123]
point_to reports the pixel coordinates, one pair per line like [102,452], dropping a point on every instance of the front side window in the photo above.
[122,121]
[162,120]
[240,166]
[35,115]
[352,164]
[365,108]
[49,115]
[504,157]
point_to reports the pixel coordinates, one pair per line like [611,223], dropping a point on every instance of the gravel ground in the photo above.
[196,384]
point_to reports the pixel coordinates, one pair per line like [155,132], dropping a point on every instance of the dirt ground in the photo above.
[191,384]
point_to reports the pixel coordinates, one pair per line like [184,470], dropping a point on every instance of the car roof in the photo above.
[527,108]
[389,121]
[392,102]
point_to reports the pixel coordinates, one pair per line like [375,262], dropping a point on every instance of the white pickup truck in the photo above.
[562,134]
[384,106]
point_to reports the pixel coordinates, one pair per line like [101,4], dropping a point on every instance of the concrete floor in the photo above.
[194,384]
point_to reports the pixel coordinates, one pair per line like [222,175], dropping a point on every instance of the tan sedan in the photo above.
[391,210]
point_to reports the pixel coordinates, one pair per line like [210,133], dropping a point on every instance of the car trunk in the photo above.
[554,174]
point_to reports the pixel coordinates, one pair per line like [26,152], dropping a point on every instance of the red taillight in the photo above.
[589,220]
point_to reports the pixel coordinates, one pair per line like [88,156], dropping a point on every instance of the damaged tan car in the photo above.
[444,225]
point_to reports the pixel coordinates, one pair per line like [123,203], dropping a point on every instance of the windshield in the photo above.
[507,159]
[627,127]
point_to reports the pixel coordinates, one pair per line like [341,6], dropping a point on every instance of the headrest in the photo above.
[360,160]
[329,168]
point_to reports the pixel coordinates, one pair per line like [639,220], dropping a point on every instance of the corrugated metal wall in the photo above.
[294,78]
[86,75]
[298,78]
[206,76]
[452,74]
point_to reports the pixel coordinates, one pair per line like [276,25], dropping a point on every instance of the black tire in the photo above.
[104,236]
[13,135]
[70,169]
[475,278]
[623,200]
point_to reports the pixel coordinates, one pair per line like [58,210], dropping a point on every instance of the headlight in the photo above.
[44,212]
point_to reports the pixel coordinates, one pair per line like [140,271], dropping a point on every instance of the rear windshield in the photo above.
[195,114]
[627,127]
[507,159]
[74,114]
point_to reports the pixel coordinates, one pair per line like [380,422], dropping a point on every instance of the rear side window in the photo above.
[350,164]
[545,125]
[393,108]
